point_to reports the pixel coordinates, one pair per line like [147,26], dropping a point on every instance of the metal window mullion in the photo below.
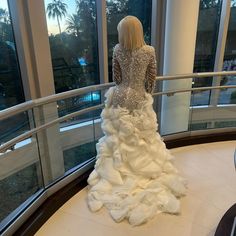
[18,20]
[102,40]
[221,42]
[158,31]
[18,16]
[32,42]
[157,41]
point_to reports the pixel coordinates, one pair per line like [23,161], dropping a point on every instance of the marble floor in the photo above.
[209,169]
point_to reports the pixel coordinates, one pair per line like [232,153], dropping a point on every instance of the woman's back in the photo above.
[134,72]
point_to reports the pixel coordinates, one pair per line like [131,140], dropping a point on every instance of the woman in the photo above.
[133,175]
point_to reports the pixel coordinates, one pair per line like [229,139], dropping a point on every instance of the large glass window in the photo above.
[229,96]
[11,91]
[206,43]
[116,10]
[72,30]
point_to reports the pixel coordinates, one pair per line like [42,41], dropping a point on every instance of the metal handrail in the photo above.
[172,92]
[29,133]
[50,99]
[196,75]
[76,92]
[33,131]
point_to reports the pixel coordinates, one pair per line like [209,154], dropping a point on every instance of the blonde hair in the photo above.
[130,31]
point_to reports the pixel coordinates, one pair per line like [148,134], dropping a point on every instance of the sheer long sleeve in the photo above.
[116,70]
[151,73]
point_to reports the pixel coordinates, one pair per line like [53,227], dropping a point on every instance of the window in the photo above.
[229,96]
[11,91]
[116,10]
[72,30]
[206,43]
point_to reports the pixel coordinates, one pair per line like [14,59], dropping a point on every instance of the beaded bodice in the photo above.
[134,73]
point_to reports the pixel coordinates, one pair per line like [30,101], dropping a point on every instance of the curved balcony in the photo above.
[48,144]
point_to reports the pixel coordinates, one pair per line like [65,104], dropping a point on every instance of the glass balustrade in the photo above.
[57,150]
[21,178]
[216,115]
[15,125]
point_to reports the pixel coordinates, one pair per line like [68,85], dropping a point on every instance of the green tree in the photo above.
[116,10]
[86,12]
[57,9]
[5,26]
[73,24]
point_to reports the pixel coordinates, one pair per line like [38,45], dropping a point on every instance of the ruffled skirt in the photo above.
[134,177]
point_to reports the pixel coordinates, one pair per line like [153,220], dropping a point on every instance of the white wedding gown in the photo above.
[133,177]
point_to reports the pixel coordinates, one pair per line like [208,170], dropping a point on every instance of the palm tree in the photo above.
[57,9]
[73,24]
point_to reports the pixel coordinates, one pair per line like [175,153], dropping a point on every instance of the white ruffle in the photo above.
[133,175]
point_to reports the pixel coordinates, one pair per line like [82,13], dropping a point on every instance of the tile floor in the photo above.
[211,177]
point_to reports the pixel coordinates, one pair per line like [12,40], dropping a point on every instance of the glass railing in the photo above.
[58,135]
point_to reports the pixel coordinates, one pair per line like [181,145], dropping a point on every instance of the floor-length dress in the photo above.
[133,177]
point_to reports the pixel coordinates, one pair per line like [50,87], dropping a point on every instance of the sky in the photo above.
[52,24]
[3,4]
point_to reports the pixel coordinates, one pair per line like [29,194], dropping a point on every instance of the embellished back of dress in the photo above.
[134,73]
